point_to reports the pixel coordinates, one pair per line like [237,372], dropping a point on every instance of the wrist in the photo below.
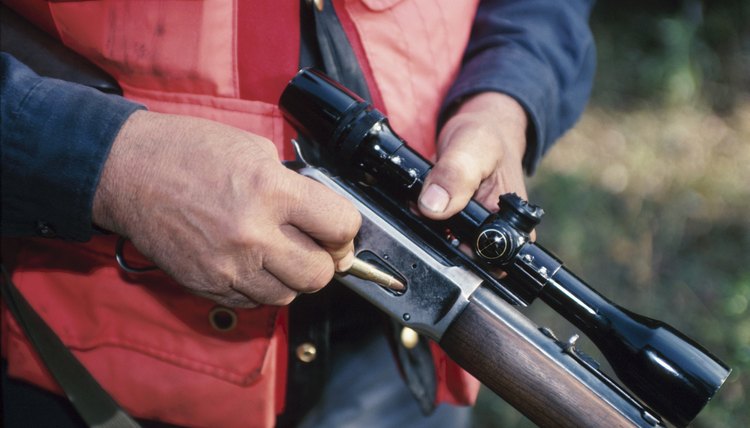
[123,170]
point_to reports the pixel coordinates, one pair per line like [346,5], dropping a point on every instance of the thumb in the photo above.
[456,175]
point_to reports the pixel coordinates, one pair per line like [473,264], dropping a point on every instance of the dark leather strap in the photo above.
[339,60]
[309,326]
[93,403]
[417,368]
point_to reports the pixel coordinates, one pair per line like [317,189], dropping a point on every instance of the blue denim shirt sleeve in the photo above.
[55,139]
[540,52]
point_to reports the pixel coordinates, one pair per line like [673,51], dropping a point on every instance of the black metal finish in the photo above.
[519,213]
[345,125]
[574,362]
[435,292]
[503,234]
[670,372]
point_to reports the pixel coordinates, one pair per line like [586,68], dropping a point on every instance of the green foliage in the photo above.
[672,52]
[648,197]
[650,207]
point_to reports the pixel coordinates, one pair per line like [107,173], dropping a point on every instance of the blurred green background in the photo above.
[648,198]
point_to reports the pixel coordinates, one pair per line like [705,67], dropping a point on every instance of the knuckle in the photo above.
[277,295]
[269,182]
[238,301]
[265,145]
[223,276]
[321,276]
[349,225]
[250,241]
[282,299]
[354,220]
[456,176]
[264,181]
[252,146]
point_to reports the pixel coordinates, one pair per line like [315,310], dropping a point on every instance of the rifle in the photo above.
[455,298]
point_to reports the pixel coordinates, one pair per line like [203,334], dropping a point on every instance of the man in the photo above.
[213,207]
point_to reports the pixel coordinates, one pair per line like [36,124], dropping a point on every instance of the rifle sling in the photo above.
[96,407]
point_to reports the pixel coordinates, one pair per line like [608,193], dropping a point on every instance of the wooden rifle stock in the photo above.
[499,354]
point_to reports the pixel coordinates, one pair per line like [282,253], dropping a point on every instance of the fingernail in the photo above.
[346,262]
[435,199]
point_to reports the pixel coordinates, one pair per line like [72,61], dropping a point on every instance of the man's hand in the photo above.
[213,207]
[479,155]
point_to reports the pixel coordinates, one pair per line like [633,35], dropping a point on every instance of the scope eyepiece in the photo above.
[327,112]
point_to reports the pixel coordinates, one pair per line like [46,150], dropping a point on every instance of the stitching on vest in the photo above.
[266,109]
[403,37]
[172,359]
[448,40]
[235,65]
[430,48]
[274,131]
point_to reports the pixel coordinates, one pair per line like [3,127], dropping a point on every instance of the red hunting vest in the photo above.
[149,343]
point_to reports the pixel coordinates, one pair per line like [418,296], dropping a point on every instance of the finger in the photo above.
[508,178]
[327,217]
[265,288]
[457,174]
[230,298]
[297,261]
[343,258]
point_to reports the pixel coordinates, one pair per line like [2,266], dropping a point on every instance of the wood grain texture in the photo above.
[520,373]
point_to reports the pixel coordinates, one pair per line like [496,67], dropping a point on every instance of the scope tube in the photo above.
[345,124]
[670,372]
[673,374]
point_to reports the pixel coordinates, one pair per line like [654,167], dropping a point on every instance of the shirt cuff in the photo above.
[56,138]
[522,76]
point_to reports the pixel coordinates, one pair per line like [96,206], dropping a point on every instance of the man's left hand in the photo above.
[479,154]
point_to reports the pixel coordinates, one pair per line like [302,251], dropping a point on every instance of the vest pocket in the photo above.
[104,314]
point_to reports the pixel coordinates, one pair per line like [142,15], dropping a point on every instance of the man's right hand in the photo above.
[213,207]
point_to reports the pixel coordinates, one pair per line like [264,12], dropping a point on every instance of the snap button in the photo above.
[222,319]
[409,338]
[306,352]
[45,229]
